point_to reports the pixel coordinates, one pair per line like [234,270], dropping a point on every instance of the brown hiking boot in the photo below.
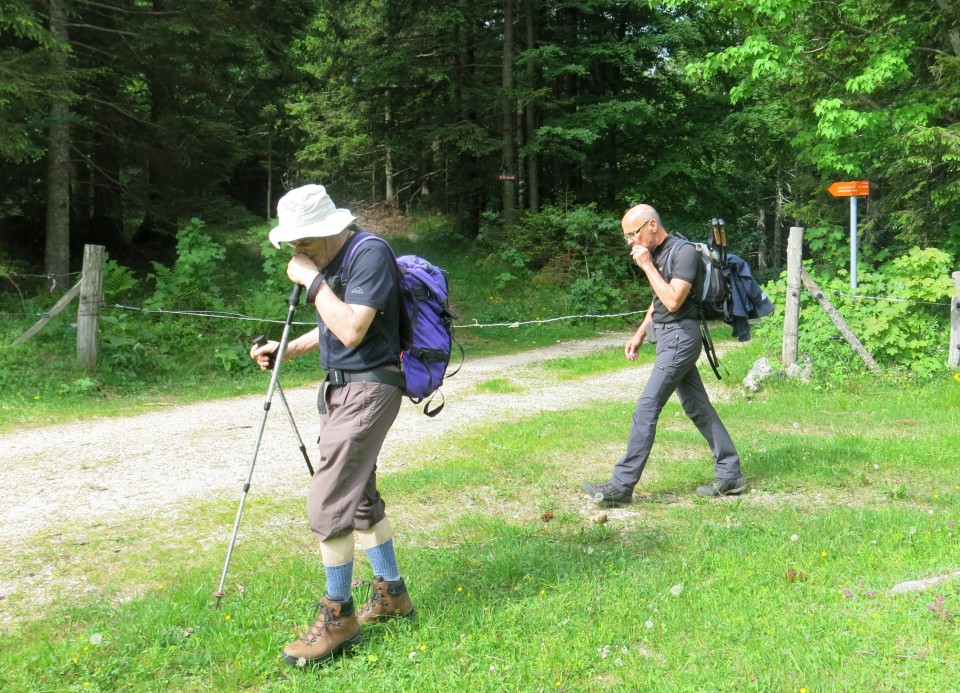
[335,631]
[388,600]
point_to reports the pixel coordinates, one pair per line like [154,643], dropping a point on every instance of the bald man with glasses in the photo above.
[673,318]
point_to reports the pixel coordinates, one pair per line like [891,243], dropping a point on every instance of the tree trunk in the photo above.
[508,163]
[390,193]
[762,253]
[533,162]
[57,248]
[270,174]
[468,198]
[778,221]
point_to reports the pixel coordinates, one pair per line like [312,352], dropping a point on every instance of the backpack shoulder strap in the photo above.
[359,238]
[405,325]
[672,253]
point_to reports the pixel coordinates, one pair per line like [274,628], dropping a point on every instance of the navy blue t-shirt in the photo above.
[370,279]
[686,266]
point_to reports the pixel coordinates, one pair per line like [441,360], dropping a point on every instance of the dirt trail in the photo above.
[67,476]
[68,481]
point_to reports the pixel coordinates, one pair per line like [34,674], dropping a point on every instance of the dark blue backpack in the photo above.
[426,324]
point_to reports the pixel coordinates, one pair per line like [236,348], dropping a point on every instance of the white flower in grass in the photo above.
[649,625]
[794,537]
[676,589]
[301,662]
[493,667]
[96,638]
[412,655]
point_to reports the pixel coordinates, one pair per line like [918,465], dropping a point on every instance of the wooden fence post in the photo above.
[953,357]
[791,316]
[88,314]
[841,324]
[50,314]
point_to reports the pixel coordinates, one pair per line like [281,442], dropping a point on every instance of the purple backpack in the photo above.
[426,325]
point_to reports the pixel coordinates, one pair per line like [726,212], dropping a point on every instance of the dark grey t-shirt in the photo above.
[686,266]
[370,279]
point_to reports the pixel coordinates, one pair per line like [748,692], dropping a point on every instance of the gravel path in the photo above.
[67,476]
[68,480]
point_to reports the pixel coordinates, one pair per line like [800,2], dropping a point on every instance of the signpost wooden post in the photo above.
[852,189]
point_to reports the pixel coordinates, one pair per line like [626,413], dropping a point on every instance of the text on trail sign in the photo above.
[851,188]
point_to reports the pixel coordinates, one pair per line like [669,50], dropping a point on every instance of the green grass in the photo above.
[519,585]
[498,386]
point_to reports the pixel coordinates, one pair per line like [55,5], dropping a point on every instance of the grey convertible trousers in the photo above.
[675,369]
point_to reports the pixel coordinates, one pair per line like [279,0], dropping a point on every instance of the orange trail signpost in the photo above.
[852,189]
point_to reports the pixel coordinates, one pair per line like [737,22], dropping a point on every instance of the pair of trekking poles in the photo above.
[275,359]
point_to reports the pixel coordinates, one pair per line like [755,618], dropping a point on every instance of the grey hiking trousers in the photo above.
[675,369]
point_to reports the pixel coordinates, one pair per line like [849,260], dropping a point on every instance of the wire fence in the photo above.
[520,322]
[226,315]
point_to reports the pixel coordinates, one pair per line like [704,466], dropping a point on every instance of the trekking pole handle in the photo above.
[295,295]
[261,339]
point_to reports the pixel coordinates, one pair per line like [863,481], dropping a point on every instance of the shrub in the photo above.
[903,321]
[192,281]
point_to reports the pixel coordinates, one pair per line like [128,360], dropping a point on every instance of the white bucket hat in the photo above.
[308,212]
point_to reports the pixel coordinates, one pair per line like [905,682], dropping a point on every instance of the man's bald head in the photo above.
[639,215]
[641,225]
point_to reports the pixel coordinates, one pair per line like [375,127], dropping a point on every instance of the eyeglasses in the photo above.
[632,235]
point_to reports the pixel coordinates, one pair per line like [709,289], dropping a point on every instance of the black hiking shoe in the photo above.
[723,487]
[607,494]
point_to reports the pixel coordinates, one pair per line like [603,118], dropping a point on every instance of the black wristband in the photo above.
[314,289]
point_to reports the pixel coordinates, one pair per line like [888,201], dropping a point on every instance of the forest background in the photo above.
[517,130]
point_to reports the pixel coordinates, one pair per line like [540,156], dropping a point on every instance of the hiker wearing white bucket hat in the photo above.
[308,212]
[357,299]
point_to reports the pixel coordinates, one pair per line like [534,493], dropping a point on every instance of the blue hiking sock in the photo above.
[339,581]
[383,560]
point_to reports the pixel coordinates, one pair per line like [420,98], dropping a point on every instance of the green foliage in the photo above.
[583,249]
[117,279]
[909,333]
[595,295]
[192,282]
[275,261]
[232,356]
[434,230]
[145,356]
[26,81]
[78,386]
[868,81]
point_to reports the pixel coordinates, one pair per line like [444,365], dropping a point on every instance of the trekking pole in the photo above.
[260,340]
[723,241]
[292,306]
